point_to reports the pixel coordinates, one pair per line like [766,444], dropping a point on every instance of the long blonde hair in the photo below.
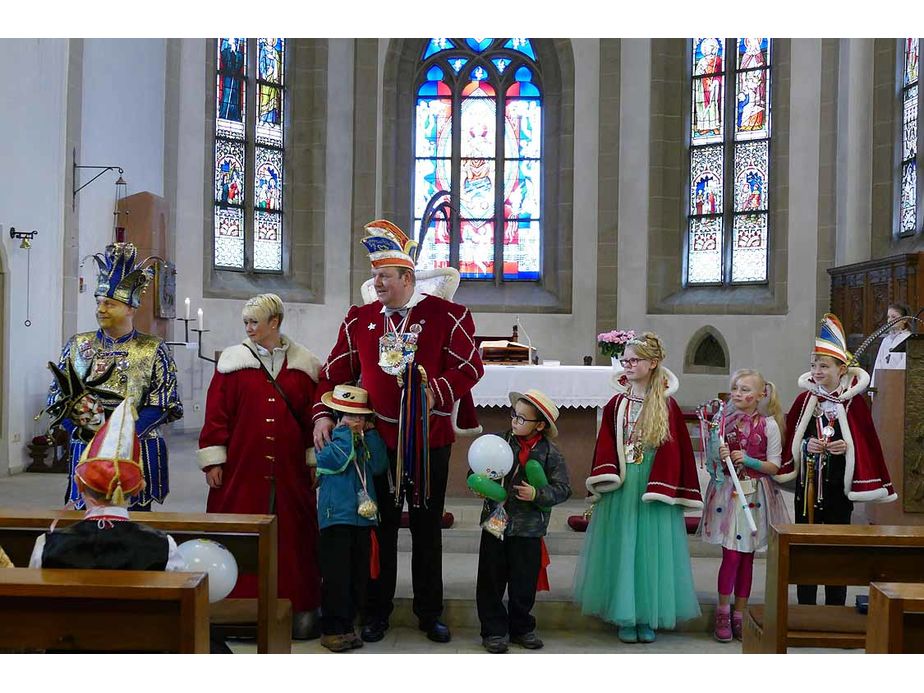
[653,423]
[774,409]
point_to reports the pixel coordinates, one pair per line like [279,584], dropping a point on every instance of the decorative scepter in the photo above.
[712,418]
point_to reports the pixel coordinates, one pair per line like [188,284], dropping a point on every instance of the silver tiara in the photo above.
[637,342]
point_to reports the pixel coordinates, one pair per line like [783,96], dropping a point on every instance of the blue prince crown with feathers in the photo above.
[120,278]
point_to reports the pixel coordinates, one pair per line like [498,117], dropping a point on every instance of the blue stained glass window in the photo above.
[478,44]
[456,63]
[500,63]
[438,45]
[494,88]
[523,45]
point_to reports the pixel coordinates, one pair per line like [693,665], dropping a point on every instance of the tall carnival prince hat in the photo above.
[120,278]
[111,465]
[831,340]
[389,246]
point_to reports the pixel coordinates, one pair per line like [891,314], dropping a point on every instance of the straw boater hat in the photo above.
[546,407]
[348,399]
[111,465]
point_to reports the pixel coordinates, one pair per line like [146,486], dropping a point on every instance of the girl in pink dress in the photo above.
[753,440]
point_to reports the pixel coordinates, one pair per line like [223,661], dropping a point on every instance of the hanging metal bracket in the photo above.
[75,189]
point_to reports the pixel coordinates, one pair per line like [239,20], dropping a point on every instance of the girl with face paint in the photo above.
[754,443]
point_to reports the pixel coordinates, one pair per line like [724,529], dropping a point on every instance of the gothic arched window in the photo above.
[249,154]
[478,134]
[908,191]
[728,230]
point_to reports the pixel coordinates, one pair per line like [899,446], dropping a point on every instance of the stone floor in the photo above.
[560,623]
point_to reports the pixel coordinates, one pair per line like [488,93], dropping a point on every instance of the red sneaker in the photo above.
[723,631]
[738,625]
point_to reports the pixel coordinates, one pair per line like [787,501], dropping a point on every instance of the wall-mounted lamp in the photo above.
[120,191]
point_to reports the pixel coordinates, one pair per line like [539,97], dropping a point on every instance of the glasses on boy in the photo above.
[520,419]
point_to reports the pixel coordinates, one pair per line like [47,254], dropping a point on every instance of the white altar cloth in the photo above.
[567,386]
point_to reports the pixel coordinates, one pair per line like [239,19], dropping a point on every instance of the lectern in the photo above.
[898,412]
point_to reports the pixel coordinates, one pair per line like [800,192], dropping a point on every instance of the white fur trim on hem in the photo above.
[214,454]
[239,357]
[660,497]
[875,496]
[466,432]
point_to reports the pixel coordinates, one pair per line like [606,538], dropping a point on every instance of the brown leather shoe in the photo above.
[336,643]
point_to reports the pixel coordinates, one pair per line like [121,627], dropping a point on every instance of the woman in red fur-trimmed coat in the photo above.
[255,453]
[635,568]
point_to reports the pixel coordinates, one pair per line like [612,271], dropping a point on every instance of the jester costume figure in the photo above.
[97,370]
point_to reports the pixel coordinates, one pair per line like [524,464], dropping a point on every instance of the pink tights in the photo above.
[735,573]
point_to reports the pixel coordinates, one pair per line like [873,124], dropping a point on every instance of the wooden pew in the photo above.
[832,555]
[252,539]
[104,610]
[896,618]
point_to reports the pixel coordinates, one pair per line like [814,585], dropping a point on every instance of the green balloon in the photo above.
[535,474]
[486,487]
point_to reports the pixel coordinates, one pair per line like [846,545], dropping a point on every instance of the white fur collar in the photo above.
[622,387]
[298,358]
[854,382]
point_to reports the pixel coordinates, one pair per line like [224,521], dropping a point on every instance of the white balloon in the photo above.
[206,556]
[490,455]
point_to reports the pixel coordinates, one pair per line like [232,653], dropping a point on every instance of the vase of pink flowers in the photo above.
[613,343]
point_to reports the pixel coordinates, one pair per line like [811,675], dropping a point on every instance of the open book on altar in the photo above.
[505,351]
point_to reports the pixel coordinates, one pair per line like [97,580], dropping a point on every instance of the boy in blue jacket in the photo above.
[347,514]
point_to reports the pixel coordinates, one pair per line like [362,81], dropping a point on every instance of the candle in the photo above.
[201,321]
[187,307]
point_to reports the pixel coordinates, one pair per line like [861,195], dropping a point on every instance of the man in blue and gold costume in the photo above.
[97,370]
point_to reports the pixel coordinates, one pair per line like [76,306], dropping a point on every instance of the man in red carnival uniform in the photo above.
[831,444]
[416,355]
[254,449]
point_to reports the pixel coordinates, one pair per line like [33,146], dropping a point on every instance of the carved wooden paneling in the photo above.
[913,496]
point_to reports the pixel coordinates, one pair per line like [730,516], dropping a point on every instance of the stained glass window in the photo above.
[728,222]
[908,205]
[249,154]
[478,135]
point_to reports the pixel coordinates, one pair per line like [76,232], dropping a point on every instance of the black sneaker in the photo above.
[530,641]
[374,631]
[437,632]
[495,644]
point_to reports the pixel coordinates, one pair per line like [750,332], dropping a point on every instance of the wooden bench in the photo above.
[896,618]
[252,539]
[104,610]
[827,555]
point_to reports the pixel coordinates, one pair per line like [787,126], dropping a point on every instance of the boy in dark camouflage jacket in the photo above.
[515,563]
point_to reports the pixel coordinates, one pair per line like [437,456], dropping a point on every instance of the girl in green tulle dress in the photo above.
[634,568]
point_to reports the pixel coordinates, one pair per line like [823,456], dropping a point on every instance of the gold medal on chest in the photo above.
[396,350]
[633,453]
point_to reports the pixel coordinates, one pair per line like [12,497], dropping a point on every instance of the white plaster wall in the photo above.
[314,325]
[122,124]
[569,337]
[33,77]
[778,345]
